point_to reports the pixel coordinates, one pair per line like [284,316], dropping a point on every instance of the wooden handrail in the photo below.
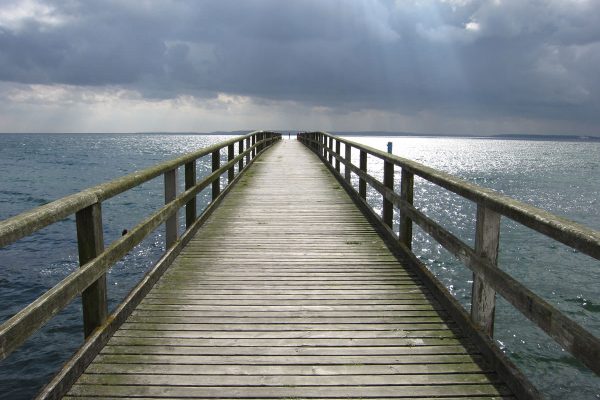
[488,279]
[97,261]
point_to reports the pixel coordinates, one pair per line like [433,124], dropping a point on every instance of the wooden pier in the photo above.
[274,298]
[288,286]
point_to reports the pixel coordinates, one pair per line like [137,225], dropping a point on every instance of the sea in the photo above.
[558,175]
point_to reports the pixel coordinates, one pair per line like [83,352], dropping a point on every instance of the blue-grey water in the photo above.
[562,177]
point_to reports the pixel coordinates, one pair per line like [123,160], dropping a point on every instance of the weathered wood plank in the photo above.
[286,380]
[319,370]
[288,392]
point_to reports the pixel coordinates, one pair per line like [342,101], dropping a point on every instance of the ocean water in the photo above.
[562,177]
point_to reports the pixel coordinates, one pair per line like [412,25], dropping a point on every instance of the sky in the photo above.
[425,66]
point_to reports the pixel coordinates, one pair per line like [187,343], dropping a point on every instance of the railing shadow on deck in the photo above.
[482,259]
[96,260]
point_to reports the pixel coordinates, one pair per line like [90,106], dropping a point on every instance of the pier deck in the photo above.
[288,291]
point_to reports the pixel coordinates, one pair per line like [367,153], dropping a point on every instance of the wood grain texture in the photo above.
[288,292]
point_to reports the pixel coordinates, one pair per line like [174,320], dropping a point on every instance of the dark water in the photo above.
[562,177]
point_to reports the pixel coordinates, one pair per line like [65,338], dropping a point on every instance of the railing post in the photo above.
[362,184]
[216,164]
[348,159]
[248,154]
[253,144]
[240,151]
[483,297]
[337,152]
[330,149]
[407,179]
[90,242]
[230,156]
[170,194]
[318,137]
[323,144]
[388,206]
[190,182]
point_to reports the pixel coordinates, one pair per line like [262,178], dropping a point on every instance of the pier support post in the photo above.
[322,145]
[337,153]
[483,297]
[170,195]
[362,183]
[216,164]
[190,182]
[90,243]
[388,206]
[348,161]
[407,179]
[240,151]
[230,156]
[248,154]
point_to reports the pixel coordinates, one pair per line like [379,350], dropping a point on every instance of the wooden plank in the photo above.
[288,392]
[284,342]
[318,370]
[161,359]
[286,380]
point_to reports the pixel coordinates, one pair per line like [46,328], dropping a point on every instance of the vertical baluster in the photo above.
[483,297]
[337,152]
[170,194]
[90,241]
[190,182]
[348,161]
[388,182]
[230,156]
[362,184]
[406,193]
[216,164]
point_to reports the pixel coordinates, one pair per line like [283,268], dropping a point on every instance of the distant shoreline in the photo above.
[542,137]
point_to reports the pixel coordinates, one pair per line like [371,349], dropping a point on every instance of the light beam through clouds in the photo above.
[430,66]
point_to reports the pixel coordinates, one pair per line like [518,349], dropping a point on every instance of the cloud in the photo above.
[468,60]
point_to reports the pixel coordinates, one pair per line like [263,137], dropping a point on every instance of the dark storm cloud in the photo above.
[536,59]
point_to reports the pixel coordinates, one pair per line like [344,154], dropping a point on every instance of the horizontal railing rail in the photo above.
[95,261]
[482,259]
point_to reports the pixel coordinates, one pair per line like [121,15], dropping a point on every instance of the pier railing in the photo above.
[95,260]
[482,259]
